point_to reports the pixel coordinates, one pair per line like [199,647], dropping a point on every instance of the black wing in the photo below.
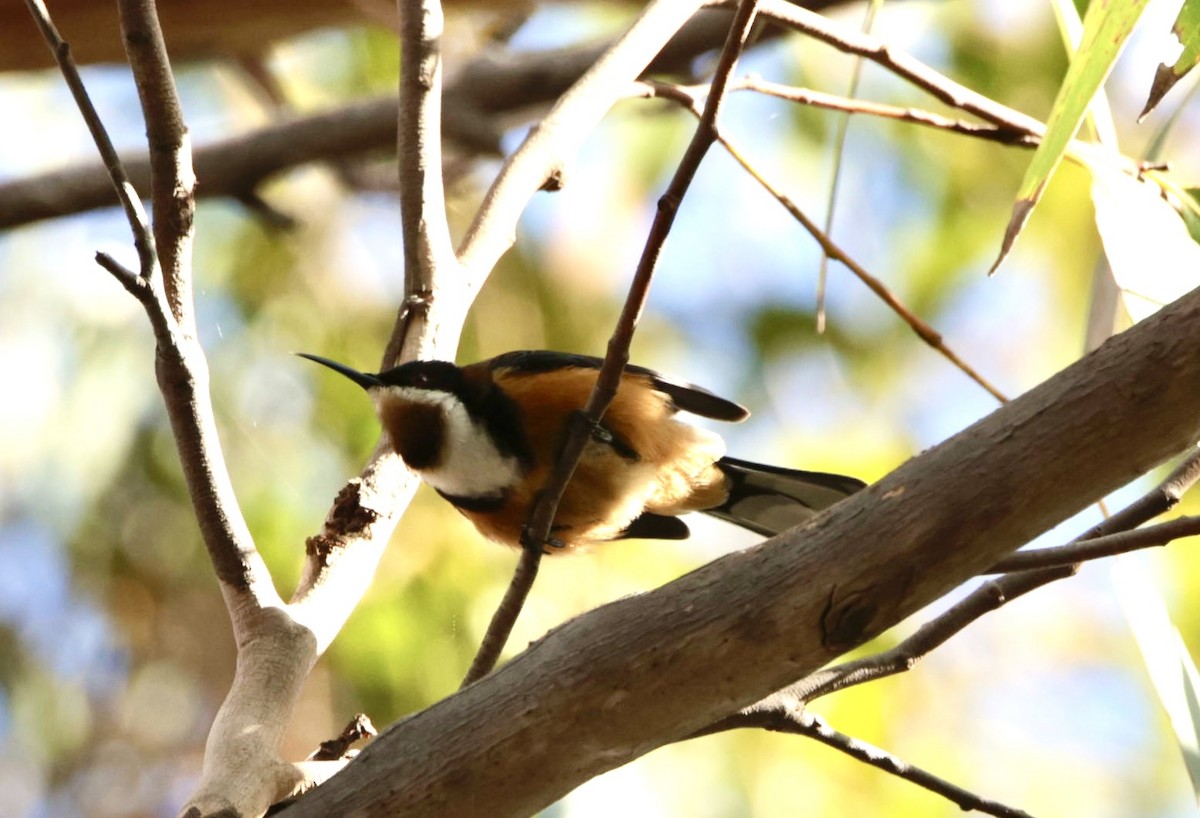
[770,499]
[686,396]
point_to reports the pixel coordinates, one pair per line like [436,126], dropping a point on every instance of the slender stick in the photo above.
[916,116]
[1100,547]
[135,214]
[923,330]
[798,721]
[505,616]
[541,518]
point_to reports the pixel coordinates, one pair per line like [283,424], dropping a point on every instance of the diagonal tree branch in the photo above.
[992,595]
[791,717]
[1108,546]
[114,171]
[686,97]
[785,710]
[490,89]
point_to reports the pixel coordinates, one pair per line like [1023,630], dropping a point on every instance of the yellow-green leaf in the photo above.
[1106,27]
[1187,29]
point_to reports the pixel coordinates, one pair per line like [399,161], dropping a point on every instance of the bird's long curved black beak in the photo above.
[363,379]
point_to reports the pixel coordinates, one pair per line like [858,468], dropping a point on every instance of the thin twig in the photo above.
[541,518]
[902,65]
[505,616]
[1109,546]
[929,80]
[135,214]
[915,116]
[839,152]
[923,330]
[795,720]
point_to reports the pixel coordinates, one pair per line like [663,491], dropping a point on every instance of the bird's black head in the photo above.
[414,402]
[431,376]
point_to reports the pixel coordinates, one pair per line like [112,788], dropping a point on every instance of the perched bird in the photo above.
[485,437]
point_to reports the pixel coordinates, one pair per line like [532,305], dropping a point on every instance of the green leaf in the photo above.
[1187,29]
[1190,211]
[1106,27]
[1166,658]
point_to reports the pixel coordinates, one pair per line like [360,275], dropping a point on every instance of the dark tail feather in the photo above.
[768,499]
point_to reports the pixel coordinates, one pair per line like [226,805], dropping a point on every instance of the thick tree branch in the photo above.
[643,671]
[172,180]
[987,598]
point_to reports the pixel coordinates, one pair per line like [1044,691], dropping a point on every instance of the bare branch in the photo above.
[861,44]
[172,180]
[1109,546]
[428,251]
[929,80]
[1116,535]
[834,251]
[505,617]
[114,172]
[798,721]
[915,116]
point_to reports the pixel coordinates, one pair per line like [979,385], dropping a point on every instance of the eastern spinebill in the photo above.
[485,437]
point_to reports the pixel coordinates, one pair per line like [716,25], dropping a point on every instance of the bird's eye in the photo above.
[420,379]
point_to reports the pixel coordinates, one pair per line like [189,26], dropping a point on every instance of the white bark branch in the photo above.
[554,141]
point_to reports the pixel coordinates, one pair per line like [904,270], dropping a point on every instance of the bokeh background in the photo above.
[114,645]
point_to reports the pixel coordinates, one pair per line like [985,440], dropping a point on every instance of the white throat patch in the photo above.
[470,466]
